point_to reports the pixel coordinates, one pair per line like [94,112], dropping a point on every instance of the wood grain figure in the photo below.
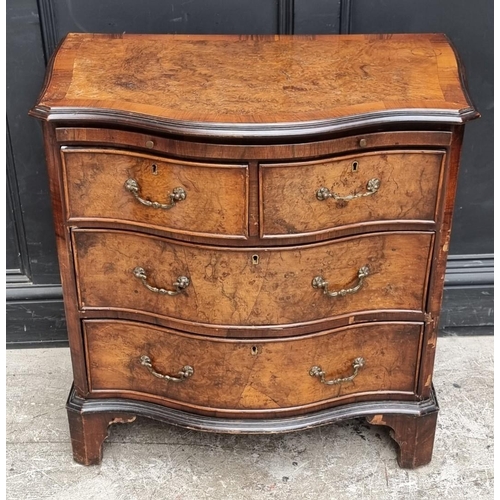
[253,230]
[251,287]
[215,203]
[250,374]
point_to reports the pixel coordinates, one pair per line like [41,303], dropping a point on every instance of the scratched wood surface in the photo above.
[250,374]
[227,288]
[254,79]
[408,191]
[216,195]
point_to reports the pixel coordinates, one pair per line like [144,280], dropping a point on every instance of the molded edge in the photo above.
[249,426]
[463,80]
[280,130]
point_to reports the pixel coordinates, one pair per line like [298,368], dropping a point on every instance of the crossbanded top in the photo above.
[249,86]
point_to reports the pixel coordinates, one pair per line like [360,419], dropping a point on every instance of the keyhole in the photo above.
[255,350]
[154,168]
[354,166]
[255,259]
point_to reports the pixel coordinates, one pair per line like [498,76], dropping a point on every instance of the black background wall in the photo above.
[34,27]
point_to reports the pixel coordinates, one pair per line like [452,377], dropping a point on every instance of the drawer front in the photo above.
[254,287]
[252,374]
[109,185]
[318,196]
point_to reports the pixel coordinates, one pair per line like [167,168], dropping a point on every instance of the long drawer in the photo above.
[201,373]
[125,271]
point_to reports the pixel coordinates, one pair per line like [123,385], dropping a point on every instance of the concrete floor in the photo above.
[148,460]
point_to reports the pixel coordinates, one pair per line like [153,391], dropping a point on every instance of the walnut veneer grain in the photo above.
[254,79]
[408,191]
[228,288]
[249,374]
[216,201]
[251,127]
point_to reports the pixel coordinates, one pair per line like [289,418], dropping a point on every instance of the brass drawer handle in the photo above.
[180,285]
[319,282]
[185,372]
[316,371]
[372,187]
[178,194]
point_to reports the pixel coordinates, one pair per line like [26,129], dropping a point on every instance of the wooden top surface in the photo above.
[254,85]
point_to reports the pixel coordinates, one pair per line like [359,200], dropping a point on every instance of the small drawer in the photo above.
[237,288]
[199,373]
[142,190]
[319,196]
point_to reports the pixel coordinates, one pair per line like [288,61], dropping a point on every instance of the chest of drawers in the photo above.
[252,231]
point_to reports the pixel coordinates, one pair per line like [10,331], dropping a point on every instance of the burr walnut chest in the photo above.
[252,230]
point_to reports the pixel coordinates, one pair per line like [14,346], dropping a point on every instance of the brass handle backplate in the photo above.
[185,372]
[320,282]
[324,193]
[177,194]
[180,285]
[317,371]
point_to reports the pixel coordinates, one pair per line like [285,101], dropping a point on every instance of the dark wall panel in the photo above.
[316,17]
[25,74]
[160,16]
[13,255]
[469,25]
[17,257]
